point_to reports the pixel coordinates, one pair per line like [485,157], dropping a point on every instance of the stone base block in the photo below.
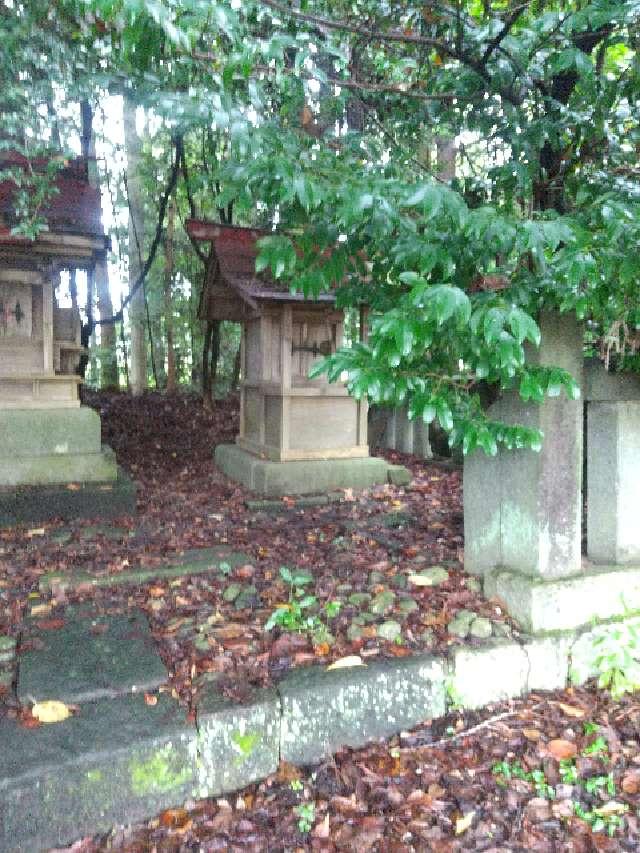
[499,671]
[59,468]
[561,605]
[237,744]
[48,432]
[31,504]
[275,479]
[399,475]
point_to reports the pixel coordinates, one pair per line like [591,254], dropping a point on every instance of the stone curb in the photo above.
[121,760]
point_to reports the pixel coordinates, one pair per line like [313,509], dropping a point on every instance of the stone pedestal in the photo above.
[316,476]
[52,463]
[48,446]
[613,478]
[522,508]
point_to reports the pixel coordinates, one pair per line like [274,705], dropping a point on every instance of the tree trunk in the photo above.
[215,355]
[108,358]
[237,365]
[138,347]
[206,349]
[168,296]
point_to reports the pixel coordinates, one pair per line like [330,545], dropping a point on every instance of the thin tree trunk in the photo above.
[73,290]
[235,379]
[168,296]
[215,355]
[206,349]
[108,358]
[85,334]
[137,308]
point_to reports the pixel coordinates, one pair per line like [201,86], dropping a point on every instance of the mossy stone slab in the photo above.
[116,761]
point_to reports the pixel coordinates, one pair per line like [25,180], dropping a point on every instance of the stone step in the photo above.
[123,760]
[89,658]
[194,562]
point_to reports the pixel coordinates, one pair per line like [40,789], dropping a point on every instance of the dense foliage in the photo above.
[331,119]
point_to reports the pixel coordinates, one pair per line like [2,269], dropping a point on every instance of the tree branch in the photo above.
[397,36]
[504,32]
[348,83]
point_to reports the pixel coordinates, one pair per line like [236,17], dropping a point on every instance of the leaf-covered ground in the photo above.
[384,566]
[553,774]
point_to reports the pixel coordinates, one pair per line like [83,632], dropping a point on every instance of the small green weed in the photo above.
[296,615]
[598,747]
[615,655]
[601,821]
[306,813]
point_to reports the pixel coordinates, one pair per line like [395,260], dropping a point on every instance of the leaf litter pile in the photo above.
[373,574]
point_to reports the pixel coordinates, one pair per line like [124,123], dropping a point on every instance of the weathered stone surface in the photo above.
[195,562]
[481,628]
[548,663]
[117,761]
[29,504]
[48,432]
[276,479]
[482,537]
[523,509]
[560,605]
[237,744]
[63,468]
[604,387]
[399,475]
[613,482]
[491,674]
[300,503]
[323,711]
[90,658]
[460,625]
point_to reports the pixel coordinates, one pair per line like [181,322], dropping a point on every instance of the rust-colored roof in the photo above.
[236,251]
[73,209]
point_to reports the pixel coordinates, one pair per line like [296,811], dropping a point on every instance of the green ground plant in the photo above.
[299,613]
[607,818]
[615,655]
[306,813]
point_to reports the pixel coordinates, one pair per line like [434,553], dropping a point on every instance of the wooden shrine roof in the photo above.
[236,251]
[74,209]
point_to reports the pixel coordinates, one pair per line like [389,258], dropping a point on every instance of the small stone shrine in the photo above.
[297,435]
[52,462]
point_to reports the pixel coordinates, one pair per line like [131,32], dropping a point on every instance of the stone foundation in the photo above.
[541,606]
[53,446]
[33,504]
[276,479]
